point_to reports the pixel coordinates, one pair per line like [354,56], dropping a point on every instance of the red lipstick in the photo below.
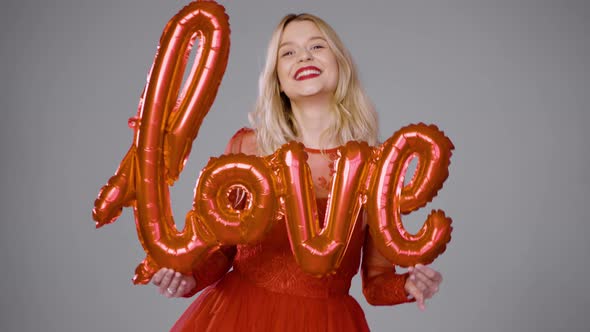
[307,73]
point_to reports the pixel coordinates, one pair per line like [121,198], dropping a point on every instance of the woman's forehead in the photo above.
[300,31]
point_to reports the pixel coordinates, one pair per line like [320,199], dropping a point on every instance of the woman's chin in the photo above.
[312,93]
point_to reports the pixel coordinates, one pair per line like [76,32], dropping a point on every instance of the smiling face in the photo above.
[306,65]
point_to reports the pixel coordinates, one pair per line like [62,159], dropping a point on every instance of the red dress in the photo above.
[267,291]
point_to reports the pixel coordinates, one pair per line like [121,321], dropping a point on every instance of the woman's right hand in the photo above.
[172,283]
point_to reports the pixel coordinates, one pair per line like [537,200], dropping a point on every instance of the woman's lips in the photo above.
[308,72]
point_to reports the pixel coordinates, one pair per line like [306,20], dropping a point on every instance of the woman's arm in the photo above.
[383,286]
[175,284]
[214,269]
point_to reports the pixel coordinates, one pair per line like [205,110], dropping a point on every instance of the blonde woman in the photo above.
[310,93]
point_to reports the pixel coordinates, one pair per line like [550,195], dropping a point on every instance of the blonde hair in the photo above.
[273,120]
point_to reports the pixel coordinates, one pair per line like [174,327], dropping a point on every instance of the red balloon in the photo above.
[319,251]
[119,191]
[388,198]
[168,122]
[253,176]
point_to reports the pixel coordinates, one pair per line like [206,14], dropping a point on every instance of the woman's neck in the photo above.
[313,116]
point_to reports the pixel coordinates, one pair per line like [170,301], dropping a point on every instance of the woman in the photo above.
[309,92]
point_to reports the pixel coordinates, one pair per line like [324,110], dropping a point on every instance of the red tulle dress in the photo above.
[267,291]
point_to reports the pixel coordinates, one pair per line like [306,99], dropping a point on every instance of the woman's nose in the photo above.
[305,55]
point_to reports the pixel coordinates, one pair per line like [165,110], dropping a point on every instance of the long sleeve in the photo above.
[381,284]
[214,268]
[221,260]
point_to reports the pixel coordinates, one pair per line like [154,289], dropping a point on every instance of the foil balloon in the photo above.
[197,96]
[389,198]
[252,176]
[119,192]
[319,250]
[168,121]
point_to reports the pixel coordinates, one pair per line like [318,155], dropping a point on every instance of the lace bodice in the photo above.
[270,263]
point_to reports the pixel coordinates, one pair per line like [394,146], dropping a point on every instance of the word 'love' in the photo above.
[279,185]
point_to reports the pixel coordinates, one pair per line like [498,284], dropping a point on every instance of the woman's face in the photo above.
[306,65]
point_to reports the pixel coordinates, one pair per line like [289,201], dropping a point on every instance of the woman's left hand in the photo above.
[422,283]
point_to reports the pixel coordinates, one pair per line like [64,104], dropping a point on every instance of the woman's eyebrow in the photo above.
[285,44]
[317,37]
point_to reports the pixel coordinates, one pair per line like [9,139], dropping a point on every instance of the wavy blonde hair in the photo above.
[273,120]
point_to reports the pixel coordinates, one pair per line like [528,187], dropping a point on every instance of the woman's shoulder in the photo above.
[243,141]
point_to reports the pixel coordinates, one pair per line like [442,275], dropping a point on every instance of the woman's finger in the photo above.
[413,289]
[422,286]
[431,285]
[430,273]
[181,290]
[173,286]
[166,281]
[157,278]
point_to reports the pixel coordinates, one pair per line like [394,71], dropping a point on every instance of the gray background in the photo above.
[508,82]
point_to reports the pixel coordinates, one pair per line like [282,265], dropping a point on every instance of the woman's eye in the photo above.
[317,47]
[287,53]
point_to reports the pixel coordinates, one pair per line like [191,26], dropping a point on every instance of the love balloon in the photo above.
[168,121]
[278,185]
